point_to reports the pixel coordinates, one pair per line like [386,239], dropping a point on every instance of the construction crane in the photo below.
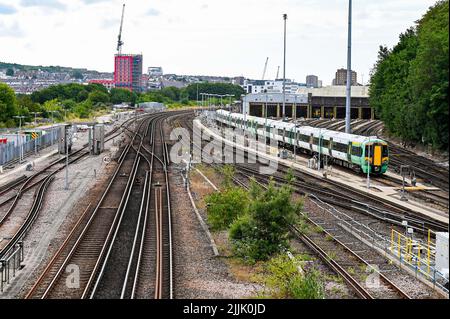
[265,68]
[278,71]
[119,40]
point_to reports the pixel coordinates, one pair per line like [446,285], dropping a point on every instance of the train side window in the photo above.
[316,141]
[326,143]
[356,151]
[340,147]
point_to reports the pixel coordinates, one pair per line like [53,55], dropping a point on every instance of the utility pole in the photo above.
[284,68]
[20,117]
[349,71]
[66,182]
[368,163]
[197,93]
[35,124]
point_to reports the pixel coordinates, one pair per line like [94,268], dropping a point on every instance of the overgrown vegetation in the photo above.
[264,230]
[258,222]
[284,280]
[409,83]
[258,219]
[225,207]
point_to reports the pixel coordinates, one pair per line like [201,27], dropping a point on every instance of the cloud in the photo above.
[13,31]
[153,12]
[52,4]
[93,1]
[6,9]
[108,23]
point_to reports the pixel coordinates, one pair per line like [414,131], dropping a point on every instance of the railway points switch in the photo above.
[66,137]
[96,139]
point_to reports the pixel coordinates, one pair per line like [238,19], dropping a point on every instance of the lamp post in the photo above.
[368,164]
[66,181]
[20,117]
[197,93]
[265,109]
[35,124]
[349,71]
[284,67]
[53,122]
[319,149]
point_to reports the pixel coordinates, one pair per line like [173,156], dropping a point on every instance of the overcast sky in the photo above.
[205,37]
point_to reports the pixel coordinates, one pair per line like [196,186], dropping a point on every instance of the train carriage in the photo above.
[360,153]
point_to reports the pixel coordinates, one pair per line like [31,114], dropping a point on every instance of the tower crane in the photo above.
[265,68]
[119,40]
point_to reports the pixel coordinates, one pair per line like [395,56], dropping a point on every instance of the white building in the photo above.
[335,91]
[275,99]
[155,71]
[271,86]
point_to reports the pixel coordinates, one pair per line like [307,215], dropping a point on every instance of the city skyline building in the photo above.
[128,72]
[341,77]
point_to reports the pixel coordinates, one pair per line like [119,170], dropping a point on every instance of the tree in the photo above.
[10,72]
[264,230]
[213,88]
[122,95]
[409,84]
[25,101]
[84,109]
[53,106]
[96,97]
[428,77]
[225,207]
[8,106]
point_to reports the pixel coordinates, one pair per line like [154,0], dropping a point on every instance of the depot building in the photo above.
[325,102]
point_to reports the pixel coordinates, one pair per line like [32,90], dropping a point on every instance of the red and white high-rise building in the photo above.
[128,72]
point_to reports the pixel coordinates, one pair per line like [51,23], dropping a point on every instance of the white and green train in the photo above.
[360,153]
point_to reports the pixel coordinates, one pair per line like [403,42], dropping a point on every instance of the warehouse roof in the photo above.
[335,90]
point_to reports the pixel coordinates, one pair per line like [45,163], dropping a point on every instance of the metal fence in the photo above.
[385,245]
[11,152]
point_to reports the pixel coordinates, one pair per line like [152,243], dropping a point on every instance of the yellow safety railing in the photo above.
[403,247]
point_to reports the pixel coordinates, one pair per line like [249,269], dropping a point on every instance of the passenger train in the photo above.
[348,150]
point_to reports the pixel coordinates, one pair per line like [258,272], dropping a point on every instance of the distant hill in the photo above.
[51,69]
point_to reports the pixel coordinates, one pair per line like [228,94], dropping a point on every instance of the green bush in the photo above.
[285,281]
[223,208]
[264,231]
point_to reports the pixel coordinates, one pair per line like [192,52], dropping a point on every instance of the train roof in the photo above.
[305,129]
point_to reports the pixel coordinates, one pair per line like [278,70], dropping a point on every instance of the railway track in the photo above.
[13,191]
[334,195]
[87,241]
[344,261]
[124,244]
[425,169]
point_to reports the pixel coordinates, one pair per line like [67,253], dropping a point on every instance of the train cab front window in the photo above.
[385,151]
